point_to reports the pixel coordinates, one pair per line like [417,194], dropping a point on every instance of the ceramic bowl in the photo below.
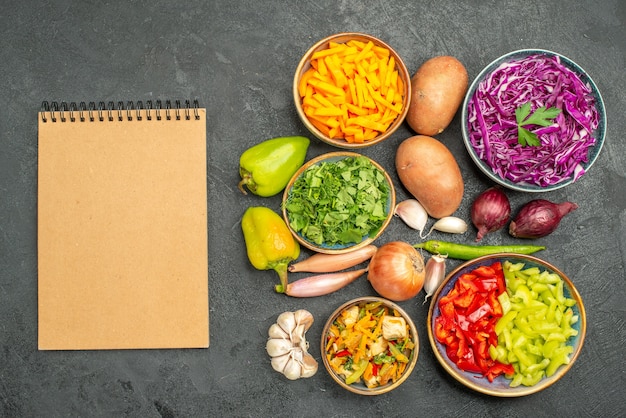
[501,385]
[502,176]
[342,38]
[359,386]
[336,248]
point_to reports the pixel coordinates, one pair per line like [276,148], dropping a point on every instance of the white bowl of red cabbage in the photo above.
[533,121]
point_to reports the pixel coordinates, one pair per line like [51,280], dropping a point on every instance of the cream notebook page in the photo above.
[122,229]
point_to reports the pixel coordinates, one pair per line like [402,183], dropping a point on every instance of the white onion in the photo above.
[396,271]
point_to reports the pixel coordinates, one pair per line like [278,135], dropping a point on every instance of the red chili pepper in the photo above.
[468,314]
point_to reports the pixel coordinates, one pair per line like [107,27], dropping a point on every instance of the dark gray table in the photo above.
[238,59]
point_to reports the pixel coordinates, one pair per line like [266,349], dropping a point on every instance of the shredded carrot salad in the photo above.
[352,91]
[369,343]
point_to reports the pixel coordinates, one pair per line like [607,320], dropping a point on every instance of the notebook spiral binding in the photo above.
[54,111]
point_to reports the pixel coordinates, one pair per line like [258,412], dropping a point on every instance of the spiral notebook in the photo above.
[122,226]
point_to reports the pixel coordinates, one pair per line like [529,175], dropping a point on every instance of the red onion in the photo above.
[539,218]
[490,211]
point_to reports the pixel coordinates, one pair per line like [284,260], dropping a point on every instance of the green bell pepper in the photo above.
[267,167]
[536,325]
[357,372]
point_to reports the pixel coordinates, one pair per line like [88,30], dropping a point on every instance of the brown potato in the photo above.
[428,170]
[437,90]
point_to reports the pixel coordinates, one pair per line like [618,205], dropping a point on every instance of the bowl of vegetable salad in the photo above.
[506,324]
[338,202]
[369,345]
[533,120]
[351,90]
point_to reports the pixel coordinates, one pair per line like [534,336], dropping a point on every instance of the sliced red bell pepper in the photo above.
[480,312]
[485,272]
[495,304]
[479,300]
[443,334]
[453,293]
[468,314]
[487,284]
[447,310]
[464,299]
[466,282]
[468,363]
[497,266]
[375,368]
[497,369]
[342,353]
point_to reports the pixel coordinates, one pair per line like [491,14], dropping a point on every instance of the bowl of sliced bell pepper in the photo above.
[369,345]
[507,325]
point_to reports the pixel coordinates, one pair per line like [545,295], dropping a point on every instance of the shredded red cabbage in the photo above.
[543,81]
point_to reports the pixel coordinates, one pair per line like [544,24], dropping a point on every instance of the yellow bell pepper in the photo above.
[269,243]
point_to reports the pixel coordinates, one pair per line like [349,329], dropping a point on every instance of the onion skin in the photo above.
[397,271]
[539,218]
[490,211]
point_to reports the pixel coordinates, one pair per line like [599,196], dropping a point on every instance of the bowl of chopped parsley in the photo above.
[338,202]
[533,121]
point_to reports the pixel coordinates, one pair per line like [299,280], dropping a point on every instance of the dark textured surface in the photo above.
[238,58]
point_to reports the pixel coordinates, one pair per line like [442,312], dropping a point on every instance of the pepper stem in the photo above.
[245,180]
[281,269]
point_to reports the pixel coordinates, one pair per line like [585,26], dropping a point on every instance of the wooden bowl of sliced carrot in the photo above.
[369,345]
[352,90]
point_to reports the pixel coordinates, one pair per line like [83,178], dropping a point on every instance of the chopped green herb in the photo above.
[542,117]
[383,358]
[338,202]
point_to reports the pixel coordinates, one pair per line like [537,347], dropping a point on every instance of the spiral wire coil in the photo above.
[132,110]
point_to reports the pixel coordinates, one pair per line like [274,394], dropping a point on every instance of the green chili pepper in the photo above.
[267,167]
[469,252]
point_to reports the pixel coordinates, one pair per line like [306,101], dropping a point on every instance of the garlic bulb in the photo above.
[287,345]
